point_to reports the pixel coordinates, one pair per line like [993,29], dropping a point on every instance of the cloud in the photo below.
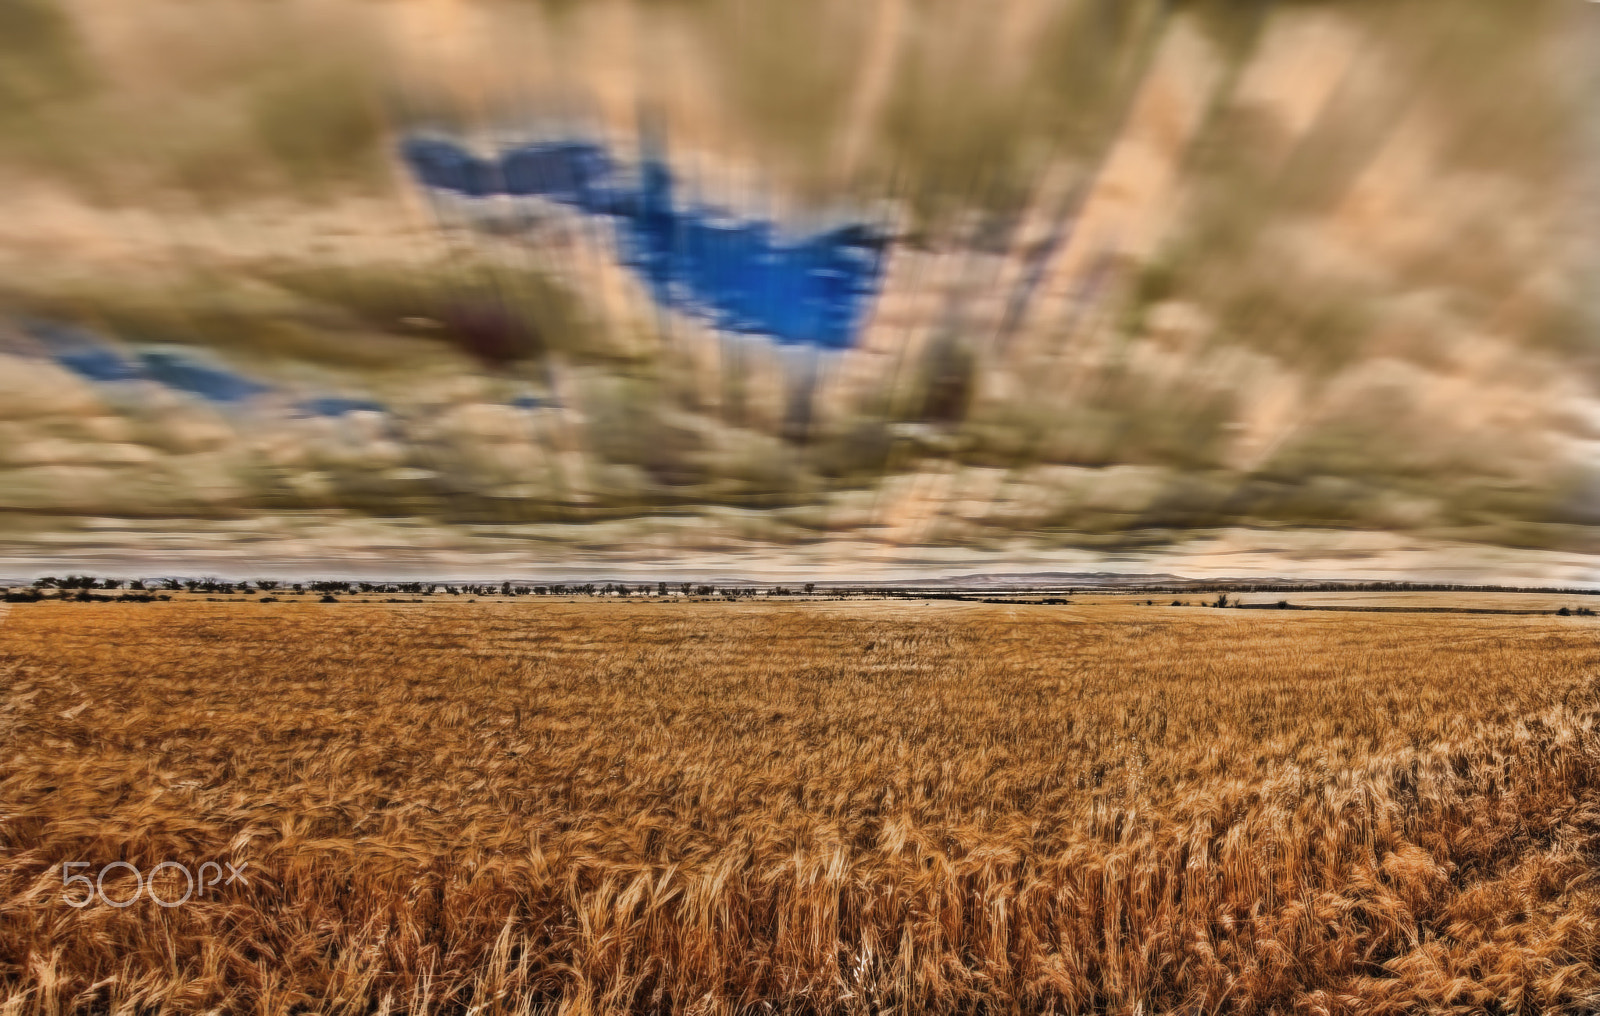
[1168,299]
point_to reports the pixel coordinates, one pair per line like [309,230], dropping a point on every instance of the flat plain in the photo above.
[826,807]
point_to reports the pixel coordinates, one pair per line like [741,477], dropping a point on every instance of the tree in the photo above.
[811,587]
[1222,600]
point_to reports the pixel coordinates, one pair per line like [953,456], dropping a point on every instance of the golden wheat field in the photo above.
[645,807]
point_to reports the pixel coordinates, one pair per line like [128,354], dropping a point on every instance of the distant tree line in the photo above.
[736,591]
[330,587]
[1353,587]
[1196,588]
[83,588]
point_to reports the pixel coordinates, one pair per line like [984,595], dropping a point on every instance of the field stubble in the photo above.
[816,808]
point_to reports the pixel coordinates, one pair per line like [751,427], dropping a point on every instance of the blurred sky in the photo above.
[844,288]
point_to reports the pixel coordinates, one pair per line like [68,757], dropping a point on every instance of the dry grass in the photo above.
[805,808]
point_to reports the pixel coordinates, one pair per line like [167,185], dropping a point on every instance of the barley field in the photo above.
[642,807]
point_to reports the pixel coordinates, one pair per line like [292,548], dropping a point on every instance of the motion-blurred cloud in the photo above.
[903,283]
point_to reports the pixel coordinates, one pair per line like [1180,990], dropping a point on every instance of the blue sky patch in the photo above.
[745,275]
[178,371]
[91,357]
[334,405]
[99,365]
[82,352]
